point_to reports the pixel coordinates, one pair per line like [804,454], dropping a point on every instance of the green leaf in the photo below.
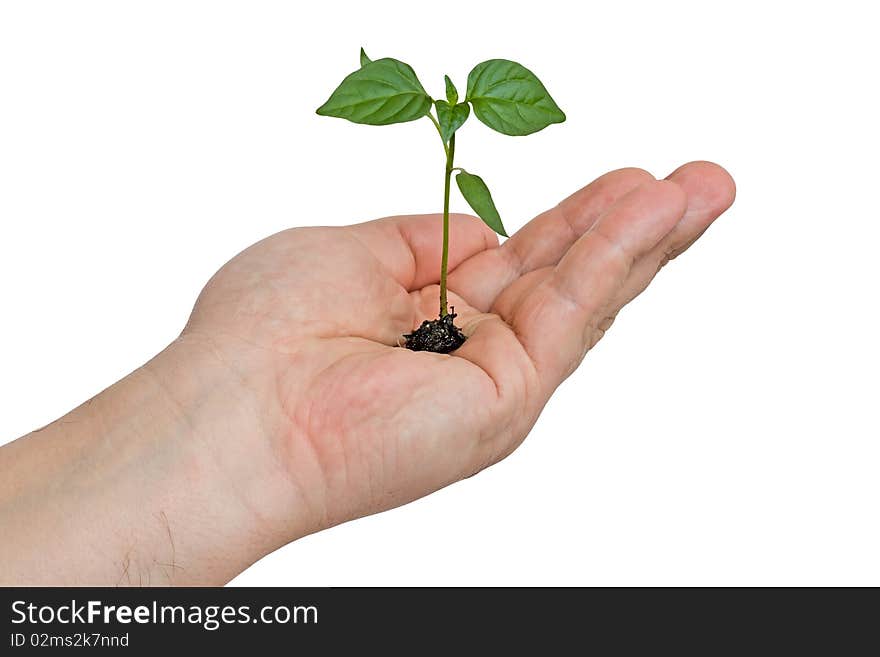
[364,59]
[509,98]
[451,91]
[479,198]
[451,118]
[382,92]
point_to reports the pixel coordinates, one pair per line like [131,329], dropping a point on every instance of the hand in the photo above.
[286,406]
[315,316]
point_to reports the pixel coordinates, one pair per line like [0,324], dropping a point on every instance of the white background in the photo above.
[724,432]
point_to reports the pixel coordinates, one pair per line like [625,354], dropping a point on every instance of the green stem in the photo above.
[439,132]
[444,260]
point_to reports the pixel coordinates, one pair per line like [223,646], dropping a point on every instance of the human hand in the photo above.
[310,320]
[286,406]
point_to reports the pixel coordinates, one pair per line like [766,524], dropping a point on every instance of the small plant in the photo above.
[504,95]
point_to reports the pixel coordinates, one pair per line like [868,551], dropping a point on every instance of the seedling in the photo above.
[504,95]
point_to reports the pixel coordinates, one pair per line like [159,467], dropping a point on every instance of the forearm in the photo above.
[161,479]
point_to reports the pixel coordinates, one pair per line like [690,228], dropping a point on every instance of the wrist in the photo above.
[166,477]
[219,401]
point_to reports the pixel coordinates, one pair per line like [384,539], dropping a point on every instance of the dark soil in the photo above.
[438,335]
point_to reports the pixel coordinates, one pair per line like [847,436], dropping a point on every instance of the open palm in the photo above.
[312,318]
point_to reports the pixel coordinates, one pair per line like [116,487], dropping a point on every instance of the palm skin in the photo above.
[310,320]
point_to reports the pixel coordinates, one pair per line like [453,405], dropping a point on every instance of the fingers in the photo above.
[543,241]
[561,317]
[410,246]
[710,191]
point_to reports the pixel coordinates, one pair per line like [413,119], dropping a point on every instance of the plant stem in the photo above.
[439,132]
[444,260]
